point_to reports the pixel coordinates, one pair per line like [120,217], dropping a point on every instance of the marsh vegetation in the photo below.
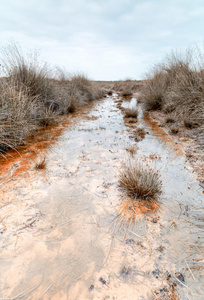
[32,95]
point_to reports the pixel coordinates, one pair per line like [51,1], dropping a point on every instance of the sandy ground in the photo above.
[67,231]
[191,141]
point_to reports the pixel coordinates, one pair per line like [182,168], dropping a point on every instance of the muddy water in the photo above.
[68,233]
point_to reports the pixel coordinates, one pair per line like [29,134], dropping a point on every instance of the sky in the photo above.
[104,39]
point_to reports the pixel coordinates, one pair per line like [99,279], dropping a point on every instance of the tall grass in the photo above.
[177,85]
[28,71]
[30,97]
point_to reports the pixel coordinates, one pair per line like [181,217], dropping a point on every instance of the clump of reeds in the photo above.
[139,181]
[131,112]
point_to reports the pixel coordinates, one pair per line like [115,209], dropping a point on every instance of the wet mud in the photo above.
[67,232]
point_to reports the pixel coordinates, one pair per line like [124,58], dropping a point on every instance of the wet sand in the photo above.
[67,232]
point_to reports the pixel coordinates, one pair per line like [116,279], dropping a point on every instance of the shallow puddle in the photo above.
[68,233]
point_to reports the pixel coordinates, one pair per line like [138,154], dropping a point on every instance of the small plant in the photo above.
[126,93]
[139,181]
[174,130]
[130,120]
[139,134]
[110,93]
[41,164]
[188,123]
[170,119]
[131,149]
[131,112]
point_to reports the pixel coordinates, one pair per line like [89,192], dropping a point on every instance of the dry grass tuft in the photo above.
[139,181]
[174,129]
[139,134]
[132,150]
[126,93]
[130,120]
[41,164]
[170,119]
[110,93]
[131,112]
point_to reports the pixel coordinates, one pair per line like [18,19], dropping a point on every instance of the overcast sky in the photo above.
[106,39]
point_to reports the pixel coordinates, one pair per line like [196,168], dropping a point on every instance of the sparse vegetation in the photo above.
[110,93]
[126,93]
[174,129]
[131,112]
[41,164]
[139,181]
[132,150]
[139,134]
[170,119]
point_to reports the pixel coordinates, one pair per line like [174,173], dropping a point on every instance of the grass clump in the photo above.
[139,181]
[170,119]
[140,133]
[131,112]
[41,164]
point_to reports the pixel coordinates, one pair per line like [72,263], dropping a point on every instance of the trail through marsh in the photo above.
[68,233]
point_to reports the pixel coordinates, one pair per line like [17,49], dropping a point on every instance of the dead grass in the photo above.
[131,112]
[170,119]
[41,164]
[139,181]
[132,150]
[27,72]
[174,130]
[177,85]
[110,93]
[30,98]
[130,120]
[139,134]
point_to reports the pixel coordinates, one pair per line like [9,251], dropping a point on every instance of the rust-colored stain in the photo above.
[162,133]
[18,161]
[132,209]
